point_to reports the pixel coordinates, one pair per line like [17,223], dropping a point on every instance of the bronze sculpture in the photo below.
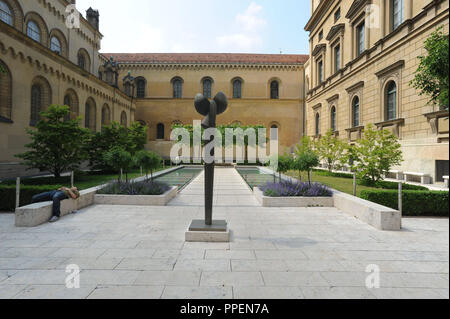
[209,109]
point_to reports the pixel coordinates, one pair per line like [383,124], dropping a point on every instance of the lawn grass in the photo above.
[82,181]
[341,184]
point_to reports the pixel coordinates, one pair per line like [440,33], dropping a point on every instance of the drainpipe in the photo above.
[304,102]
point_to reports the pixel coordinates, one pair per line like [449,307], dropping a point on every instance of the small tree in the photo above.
[57,145]
[285,164]
[149,161]
[432,74]
[119,159]
[306,145]
[376,153]
[305,162]
[331,150]
[130,139]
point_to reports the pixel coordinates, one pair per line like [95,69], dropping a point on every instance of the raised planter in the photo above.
[267,201]
[137,200]
[378,216]
[36,214]
[39,213]
[375,215]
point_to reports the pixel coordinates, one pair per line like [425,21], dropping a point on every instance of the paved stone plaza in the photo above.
[139,252]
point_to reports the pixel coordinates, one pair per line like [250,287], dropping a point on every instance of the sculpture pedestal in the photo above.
[218,232]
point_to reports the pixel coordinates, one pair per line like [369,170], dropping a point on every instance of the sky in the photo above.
[202,26]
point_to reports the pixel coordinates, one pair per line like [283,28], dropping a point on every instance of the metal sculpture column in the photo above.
[210,109]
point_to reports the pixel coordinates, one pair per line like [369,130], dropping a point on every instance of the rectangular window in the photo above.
[397,13]
[320,35]
[320,71]
[337,58]
[361,38]
[337,15]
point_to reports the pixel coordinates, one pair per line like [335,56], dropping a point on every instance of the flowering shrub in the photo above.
[135,188]
[289,189]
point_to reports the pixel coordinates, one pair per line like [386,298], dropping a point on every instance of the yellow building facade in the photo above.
[363,55]
[48,63]
[262,90]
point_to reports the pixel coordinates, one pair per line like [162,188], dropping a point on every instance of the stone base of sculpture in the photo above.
[218,232]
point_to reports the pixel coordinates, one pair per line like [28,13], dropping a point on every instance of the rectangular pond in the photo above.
[256,177]
[180,177]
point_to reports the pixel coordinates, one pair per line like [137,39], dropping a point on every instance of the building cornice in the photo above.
[201,66]
[335,30]
[317,15]
[355,8]
[319,48]
[389,69]
[355,86]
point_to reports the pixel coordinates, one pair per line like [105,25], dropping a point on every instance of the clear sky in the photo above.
[187,26]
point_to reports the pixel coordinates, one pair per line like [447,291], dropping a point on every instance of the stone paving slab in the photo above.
[139,252]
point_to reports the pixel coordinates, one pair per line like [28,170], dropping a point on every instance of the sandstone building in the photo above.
[363,55]
[262,89]
[48,63]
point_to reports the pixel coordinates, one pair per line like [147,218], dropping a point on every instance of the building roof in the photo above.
[208,58]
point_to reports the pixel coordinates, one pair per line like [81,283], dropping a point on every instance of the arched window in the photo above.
[5,13]
[274,132]
[71,100]
[177,89]
[106,115]
[317,124]
[391,101]
[90,119]
[55,45]
[67,102]
[41,97]
[160,131]
[123,119]
[33,31]
[333,118]
[5,94]
[128,88]
[140,84]
[36,104]
[207,87]
[237,89]
[274,90]
[396,13]
[81,61]
[355,111]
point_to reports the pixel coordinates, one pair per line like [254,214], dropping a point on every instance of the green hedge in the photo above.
[415,203]
[391,185]
[8,195]
[332,174]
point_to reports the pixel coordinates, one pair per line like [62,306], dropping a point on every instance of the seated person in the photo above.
[57,196]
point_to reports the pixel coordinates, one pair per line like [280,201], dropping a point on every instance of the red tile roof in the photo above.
[208,58]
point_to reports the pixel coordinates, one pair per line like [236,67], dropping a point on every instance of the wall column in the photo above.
[408,9]
[382,18]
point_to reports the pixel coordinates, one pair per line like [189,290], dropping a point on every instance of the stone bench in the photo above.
[424,178]
[378,216]
[446,181]
[399,175]
[40,213]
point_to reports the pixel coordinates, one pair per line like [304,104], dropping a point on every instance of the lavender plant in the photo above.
[134,188]
[290,189]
